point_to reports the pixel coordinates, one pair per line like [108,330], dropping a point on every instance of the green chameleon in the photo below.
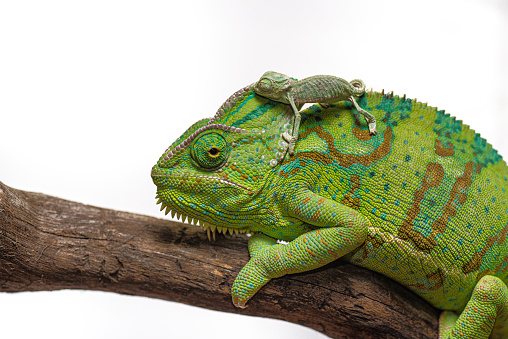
[423,201]
[324,89]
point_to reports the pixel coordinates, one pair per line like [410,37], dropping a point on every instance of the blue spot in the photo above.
[407,158]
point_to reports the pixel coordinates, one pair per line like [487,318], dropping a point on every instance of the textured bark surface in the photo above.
[47,243]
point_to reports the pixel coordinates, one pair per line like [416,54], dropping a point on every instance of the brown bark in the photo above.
[47,243]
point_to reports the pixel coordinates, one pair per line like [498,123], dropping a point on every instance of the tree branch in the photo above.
[47,243]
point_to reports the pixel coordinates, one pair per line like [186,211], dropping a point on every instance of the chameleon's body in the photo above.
[323,89]
[423,202]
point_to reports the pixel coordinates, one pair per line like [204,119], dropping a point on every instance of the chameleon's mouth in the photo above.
[207,226]
[159,174]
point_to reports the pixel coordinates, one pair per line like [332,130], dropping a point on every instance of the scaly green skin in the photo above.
[423,202]
[324,89]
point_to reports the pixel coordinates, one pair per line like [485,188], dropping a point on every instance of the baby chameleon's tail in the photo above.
[359,86]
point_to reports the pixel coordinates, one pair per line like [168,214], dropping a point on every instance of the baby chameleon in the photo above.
[323,89]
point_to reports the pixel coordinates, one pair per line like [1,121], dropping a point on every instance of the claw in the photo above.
[238,303]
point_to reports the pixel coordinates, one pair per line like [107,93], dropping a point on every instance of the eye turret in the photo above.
[210,151]
[264,85]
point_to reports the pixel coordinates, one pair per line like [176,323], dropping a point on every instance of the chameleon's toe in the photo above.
[372,128]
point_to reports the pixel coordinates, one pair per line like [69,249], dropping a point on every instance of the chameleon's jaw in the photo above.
[187,210]
[162,177]
[207,226]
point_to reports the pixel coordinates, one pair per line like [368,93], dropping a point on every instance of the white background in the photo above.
[92,92]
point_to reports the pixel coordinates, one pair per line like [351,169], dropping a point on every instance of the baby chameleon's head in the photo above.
[274,86]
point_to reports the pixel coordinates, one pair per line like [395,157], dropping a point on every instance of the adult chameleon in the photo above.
[325,89]
[423,202]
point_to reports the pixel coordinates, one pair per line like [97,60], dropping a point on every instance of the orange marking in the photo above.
[316,215]
[343,160]
[434,175]
[310,252]
[442,150]
[349,199]
[476,260]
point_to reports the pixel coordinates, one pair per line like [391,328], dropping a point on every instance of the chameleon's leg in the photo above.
[296,128]
[340,230]
[486,312]
[371,120]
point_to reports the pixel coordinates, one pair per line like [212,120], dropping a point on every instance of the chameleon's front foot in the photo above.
[250,279]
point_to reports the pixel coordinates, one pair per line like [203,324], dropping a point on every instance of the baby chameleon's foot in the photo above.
[291,140]
[372,128]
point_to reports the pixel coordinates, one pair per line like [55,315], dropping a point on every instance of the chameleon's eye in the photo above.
[213,152]
[210,150]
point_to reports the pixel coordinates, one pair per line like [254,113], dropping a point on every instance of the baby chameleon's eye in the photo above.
[210,150]
[263,85]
